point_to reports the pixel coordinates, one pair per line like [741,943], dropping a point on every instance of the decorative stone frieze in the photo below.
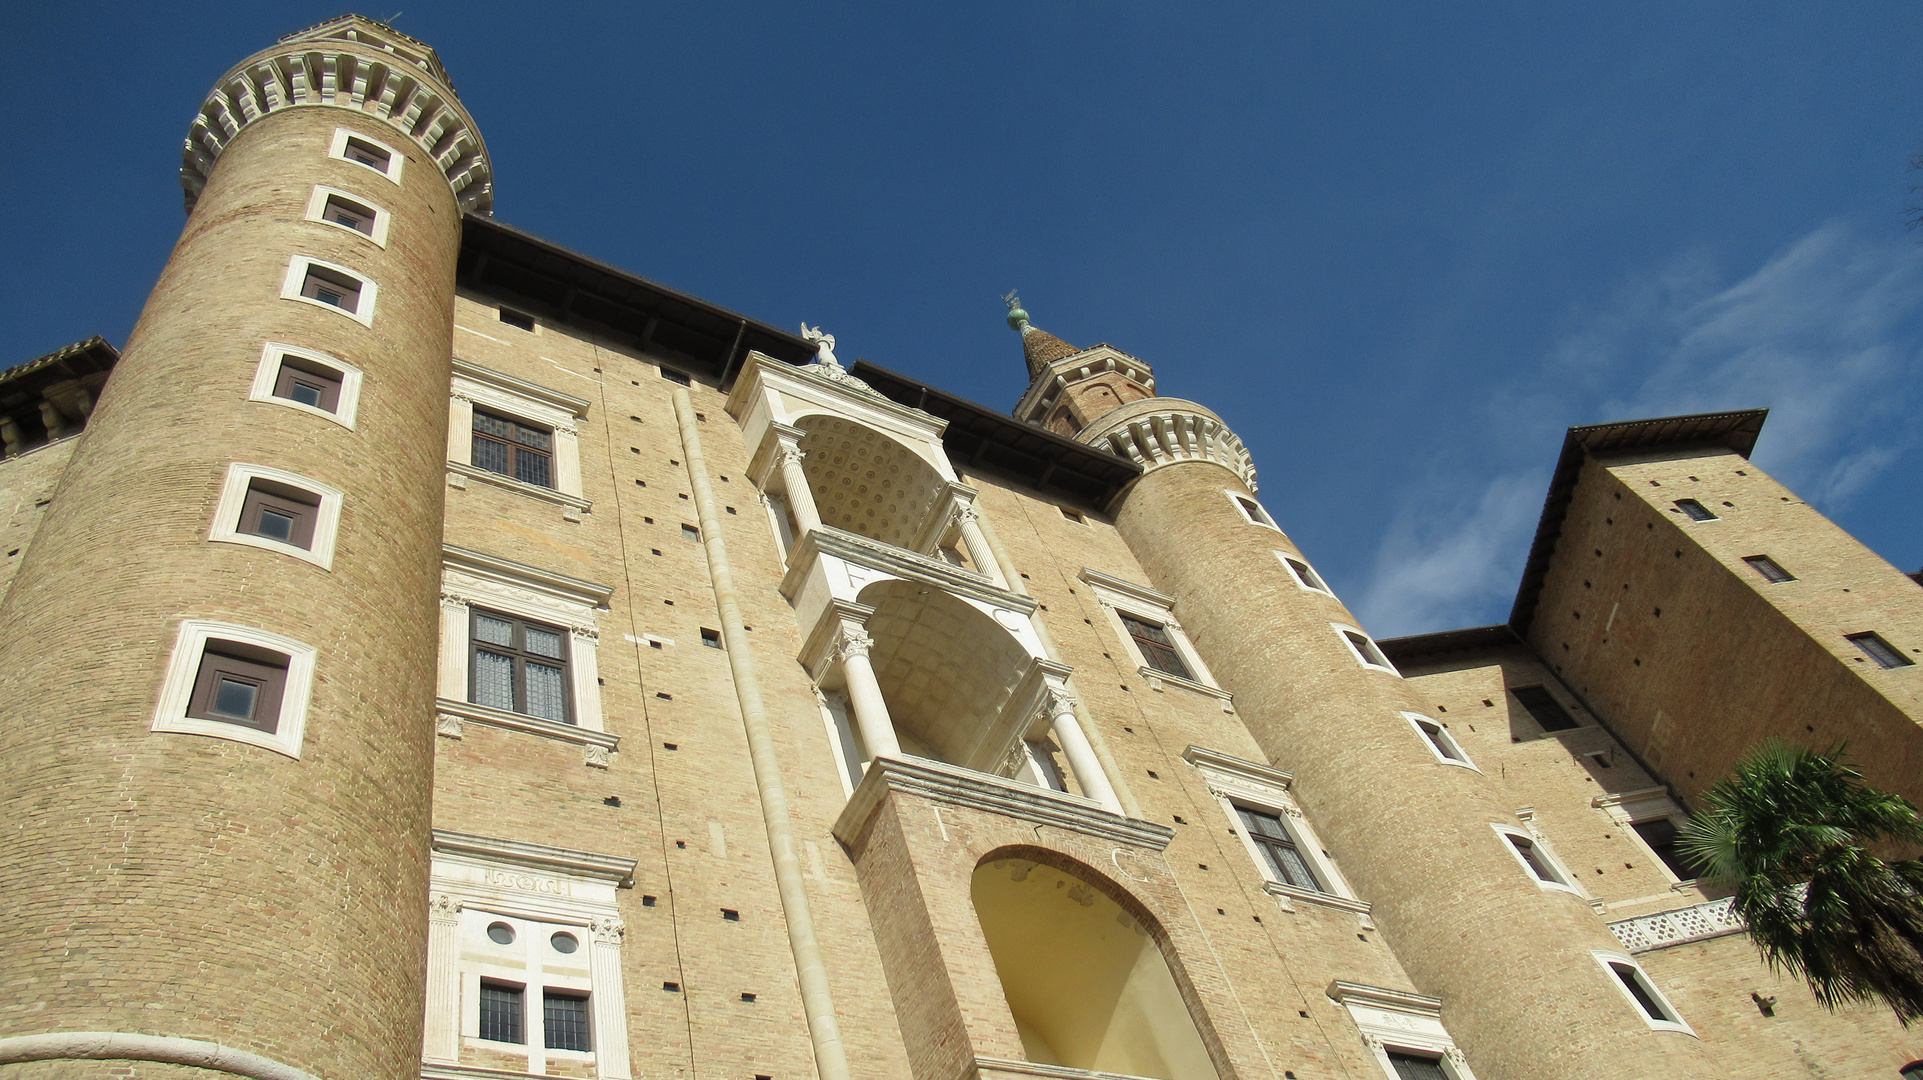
[349,63]
[1164,431]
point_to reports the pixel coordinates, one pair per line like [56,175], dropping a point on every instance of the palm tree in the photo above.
[1791,828]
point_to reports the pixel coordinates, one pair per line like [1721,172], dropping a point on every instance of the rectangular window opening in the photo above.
[309,383]
[1410,1066]
[1370,653]
[1440,740]
[1158,649]
[1278,848]
[1661,836]
[331,288]
[1537,862]
[1884,653]
[353,215]
[519,666]
[1253,511]
[1543,706]
[1306,575]
[517,319]
[564,1020]
[501,1007]
[366,153]
[1694,510]
[711,638]
[674,376]
[513,449]
[239,684]
[1766,566]
[1633,981]
[279,512]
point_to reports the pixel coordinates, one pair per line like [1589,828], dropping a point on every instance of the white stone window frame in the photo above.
[1242,501]
[1342,632]
[337,149]
[183,668]
[267,374]
[1463,761]
[1118,597]
[1393,1021]
[1627,809]
[296,277]
[1319,586]
[1566,882]
[1235,783]
[233,498]
[317,209]
[522,401]
[470,579]
[476,881]
[1604,958]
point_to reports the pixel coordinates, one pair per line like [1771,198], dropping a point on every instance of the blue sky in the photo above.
[1399,247]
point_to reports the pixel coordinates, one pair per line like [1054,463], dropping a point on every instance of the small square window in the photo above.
[564,1020]
[1305,575]
[502,1005]
[1440,741]
[711,638]
[1694,510]
[513,449]
[674,376]
[1881,651]
[690,532]
[324,284]
[517,319]
[353,215]
[331,288]
[279,512]
[1366,649]
[1540,865]
[309,383]
[1252,510]
[1543,706]
[1767,567]
[239,684]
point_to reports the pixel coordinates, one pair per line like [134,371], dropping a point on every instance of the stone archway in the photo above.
[946,669]
[865,482]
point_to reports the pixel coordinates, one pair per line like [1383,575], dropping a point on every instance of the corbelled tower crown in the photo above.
[217,685]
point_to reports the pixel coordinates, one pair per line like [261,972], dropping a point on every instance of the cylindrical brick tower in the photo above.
[217,661]
[1511,961]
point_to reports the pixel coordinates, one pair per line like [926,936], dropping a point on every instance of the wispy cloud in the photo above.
[1828,333]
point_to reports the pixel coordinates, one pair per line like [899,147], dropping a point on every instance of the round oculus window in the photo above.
[500,933]
[564,943]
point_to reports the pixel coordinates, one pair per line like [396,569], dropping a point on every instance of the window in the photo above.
[239,683]
[1278,849]
[674,376]
[1536,859]
[1304,574]
[1252,510]
[1543,706]
[280,513]
[513,449]
[311,381]
[517,319]
[1439,741]
[370,152]
[1156,647]
[347,210]
[1881,651]
[1416,1066]
[351,214]
[1365,648]
[1661,836]
[564,1020]
[1767,567]
[502,1006]
[324,284]
[520,666]
[1073,515]
[711,638]
[1694,510]
[1634,985]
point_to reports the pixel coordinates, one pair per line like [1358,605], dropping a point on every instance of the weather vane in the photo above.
[1012,300]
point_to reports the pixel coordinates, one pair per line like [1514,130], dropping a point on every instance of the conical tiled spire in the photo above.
[1040,347]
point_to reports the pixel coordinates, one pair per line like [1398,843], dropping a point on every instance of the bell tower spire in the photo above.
[1039,347]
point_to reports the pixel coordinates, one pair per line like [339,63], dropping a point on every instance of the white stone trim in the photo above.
[267,373]
[317,206]
[128,1046]
[1238,783]
[1698,922]
[183,666]
[233,496]
[1313,583]
[1566,882]
[297,268]
[536,405]
[337,149]
[1417,720]
[1379,662]
[1604,959]
[538,891]
[1400,1020]
[1118,596]
[1242,501]
[470,579]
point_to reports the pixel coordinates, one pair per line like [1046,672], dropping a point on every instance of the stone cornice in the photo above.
[586,864]
[900,562]
[1164,431]
[349,66]
[469,712]
[941,782]
[1378,997]
[1047,387]
[577,407]
[1126,588]
[1311,896]
[507,572]
[1216,761]
[569,504]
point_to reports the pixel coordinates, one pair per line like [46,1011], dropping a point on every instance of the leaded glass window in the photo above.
[564,1020]
[1278,849]
[520,666]
[1158,649]
[513,449]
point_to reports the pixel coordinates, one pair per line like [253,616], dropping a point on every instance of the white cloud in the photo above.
[1828,334]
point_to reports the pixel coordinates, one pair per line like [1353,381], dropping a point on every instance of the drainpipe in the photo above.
[817,1002]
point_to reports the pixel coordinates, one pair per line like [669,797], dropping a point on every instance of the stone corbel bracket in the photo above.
[348,63]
